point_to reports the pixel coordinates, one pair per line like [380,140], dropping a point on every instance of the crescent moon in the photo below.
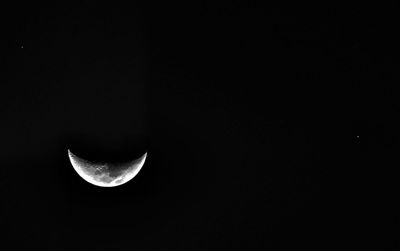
[100,174]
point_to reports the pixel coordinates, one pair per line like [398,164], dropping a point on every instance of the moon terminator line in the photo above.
[100,174]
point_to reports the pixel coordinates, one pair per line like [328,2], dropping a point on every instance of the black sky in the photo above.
[249,115]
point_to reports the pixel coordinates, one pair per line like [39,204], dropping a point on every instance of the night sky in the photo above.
[253,118]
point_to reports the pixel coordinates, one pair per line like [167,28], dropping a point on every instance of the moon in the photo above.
[104,174]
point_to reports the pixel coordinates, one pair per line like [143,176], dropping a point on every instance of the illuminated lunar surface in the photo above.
[104,176]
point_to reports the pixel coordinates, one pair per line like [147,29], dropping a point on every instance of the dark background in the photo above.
[249,114]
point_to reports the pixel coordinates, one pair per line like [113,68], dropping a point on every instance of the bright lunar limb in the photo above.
[100,174]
